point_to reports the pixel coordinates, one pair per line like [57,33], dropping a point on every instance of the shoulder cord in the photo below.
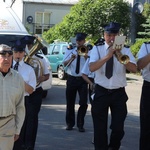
[98,52]
[146,48]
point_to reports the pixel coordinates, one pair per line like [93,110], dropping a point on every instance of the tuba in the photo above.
[34,62]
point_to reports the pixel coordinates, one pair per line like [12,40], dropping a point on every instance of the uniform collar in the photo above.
[20,62]
[106,46]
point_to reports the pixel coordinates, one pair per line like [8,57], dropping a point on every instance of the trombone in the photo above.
[82,50]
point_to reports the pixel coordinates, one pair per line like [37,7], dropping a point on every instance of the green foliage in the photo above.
[143,22]
[90,16]
[136,46]
[146,32]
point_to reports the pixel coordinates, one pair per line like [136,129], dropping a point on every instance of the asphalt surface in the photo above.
[53,136]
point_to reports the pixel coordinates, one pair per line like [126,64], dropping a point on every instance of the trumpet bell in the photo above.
[124,59]
[82,50]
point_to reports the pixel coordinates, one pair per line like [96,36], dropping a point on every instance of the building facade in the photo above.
[40,15]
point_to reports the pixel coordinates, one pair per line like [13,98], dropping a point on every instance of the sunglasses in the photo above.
[4,52]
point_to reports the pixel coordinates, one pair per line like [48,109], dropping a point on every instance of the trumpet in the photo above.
[123,59]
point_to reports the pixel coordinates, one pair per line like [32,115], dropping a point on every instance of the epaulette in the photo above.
[28,64]
[147,42]
[99,42]
[39,56]
[89,46]
[70,47]
[126,46]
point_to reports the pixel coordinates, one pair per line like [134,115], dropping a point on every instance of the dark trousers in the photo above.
[29,129]
[36,100]
[74,85]
[145,117]
[20,143]
[116,101]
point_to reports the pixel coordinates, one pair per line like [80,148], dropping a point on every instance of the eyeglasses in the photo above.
[4,52]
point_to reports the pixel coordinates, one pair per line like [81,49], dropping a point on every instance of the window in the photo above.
[64,49]
[42,22]
[56,50]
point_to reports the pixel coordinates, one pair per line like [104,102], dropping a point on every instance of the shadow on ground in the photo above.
[53,136]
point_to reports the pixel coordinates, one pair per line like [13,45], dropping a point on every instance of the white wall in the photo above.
[17,7]
[57,11]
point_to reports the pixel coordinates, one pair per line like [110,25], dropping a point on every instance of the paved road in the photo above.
[53,136]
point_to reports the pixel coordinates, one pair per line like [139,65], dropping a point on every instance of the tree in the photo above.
[90,16]
[144,30]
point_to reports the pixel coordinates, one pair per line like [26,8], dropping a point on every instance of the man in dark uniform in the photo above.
[36,96]
[75,83]
[28,74]
[110,80]
[144,65]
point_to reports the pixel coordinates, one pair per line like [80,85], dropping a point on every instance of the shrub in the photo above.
[136,46]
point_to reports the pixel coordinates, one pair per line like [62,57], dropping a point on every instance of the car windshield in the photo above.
[7,39]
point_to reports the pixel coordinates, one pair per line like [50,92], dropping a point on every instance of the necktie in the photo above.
[109,68]
[16,66]
[78,64]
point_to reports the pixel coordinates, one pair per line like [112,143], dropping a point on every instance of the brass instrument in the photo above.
[123,59]
[82,50]
[35,62]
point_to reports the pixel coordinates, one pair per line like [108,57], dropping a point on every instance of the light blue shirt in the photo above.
[119,70]
[27,73]
[72,67]
[145,50]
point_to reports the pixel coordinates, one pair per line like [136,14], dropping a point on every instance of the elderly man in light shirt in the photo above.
[12,110]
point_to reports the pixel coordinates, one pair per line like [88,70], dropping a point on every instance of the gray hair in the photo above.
[4,47]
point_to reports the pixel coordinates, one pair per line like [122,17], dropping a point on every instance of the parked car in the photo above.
[55,55]
[12,29]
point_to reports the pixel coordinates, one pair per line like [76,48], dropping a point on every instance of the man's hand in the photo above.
[16,137]
[41,79]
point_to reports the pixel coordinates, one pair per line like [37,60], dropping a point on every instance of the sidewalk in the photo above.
[134,78]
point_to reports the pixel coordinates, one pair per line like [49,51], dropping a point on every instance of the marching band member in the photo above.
[110,80]
[75,83]
[28,74]
[36,96]
[144,65]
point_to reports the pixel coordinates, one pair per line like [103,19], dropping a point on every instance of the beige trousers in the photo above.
[7,131]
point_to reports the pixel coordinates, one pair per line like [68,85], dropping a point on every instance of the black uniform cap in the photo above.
[80,36]
[18,46]
[112,27]
[28,39]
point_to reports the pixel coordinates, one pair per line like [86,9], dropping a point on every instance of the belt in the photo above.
[146,83]
[109,90]
[75,77]
[38,89]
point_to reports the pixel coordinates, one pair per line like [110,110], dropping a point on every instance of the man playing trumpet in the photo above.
[75,83]
[110,80]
